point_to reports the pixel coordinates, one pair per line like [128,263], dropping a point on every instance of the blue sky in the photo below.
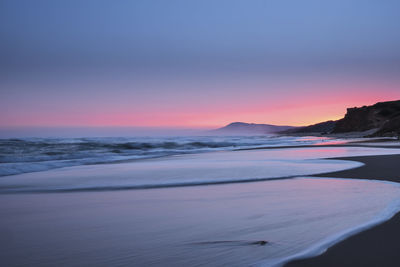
[183,48]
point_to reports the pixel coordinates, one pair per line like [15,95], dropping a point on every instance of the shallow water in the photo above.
[209,225]
[40,154]
[192,226]
[194,169]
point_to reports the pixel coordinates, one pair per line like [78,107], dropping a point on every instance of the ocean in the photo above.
[39,154]
[183,201]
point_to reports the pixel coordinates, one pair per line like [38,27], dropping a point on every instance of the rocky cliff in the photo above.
[322,127]
[383,116]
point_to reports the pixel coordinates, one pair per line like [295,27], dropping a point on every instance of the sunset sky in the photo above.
[194,64]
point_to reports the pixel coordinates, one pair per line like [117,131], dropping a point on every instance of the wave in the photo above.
[319,248]
[38,151]
[98,188]
[39,154]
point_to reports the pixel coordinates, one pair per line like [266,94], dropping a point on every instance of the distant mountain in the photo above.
[250,128]
[322,127]
[382,119]
[383,116]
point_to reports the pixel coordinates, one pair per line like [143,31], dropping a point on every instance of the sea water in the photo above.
[82,215]
[218,225]
[190,169]
[38,154]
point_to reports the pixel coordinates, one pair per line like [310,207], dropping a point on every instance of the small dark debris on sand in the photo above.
[233,242]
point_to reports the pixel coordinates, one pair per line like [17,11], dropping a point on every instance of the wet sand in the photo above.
[375,247]
[378,246]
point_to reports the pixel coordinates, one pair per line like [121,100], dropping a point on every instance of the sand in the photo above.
[378,246]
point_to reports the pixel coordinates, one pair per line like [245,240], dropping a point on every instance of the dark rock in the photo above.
[322,127]
[384,116]
[261,243]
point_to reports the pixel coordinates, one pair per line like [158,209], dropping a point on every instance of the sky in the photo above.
[194,64]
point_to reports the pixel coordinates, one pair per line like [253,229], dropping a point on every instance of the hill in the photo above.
[383,116]
[322,127]
[250,128]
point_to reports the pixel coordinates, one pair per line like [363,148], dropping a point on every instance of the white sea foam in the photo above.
[40,154]
[233,167]
[319,248]
[193,169]
[299,217]
[203,225]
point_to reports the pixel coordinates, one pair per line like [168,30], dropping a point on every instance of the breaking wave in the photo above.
[39,154]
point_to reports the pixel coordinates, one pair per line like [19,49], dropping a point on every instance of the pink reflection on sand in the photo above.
[333,142]
[309,153]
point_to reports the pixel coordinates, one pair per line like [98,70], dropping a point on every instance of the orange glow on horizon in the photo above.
[302,105]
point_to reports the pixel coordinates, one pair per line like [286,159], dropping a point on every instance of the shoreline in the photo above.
[363,143]
[377,246]
[48,185]
[229,191]
[97,227]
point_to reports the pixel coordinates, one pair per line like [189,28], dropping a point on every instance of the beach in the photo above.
[265,206]
[199,133]
[377,246]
